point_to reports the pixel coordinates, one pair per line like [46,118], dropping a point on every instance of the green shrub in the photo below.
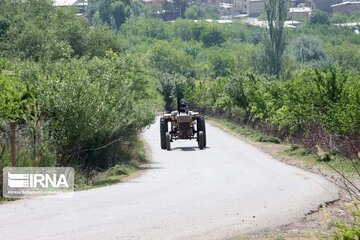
[270,139]
[348,231]
[293,147]
[319,17]
[89,105]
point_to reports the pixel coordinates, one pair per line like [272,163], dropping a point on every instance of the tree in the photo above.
[212,36]
[173,87]
[180,6]
[145,27]
[346,55]
[99,40]
[221,63]
[4,26]
[319,17]
[16,98]
[194,12]
[202,11]
[89,104]
[113,12]
[119,11]
[308,49]
[185,29]
[275,38]
[105,11]
[151,10]
[71,29]
[38,31]
[166,58]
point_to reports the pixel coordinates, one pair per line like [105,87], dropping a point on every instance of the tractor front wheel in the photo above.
[168,140]
[163,131]
[201,139]
[200,124]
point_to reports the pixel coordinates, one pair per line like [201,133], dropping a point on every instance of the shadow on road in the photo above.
[187,149]
[149,167]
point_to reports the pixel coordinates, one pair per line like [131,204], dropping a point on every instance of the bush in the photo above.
[150,28]
[202,11]
[348,231]
[16,99]
[270,139]
[308,49]
[166,58]
[319,17]
[89,105]
[194,12]
[211,35]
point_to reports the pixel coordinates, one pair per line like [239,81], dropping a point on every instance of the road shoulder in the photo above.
[315,225]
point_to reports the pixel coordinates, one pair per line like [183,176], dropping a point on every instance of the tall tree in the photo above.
[275,37]
[180,7]
[105,11]
[114,12]
[319,17]
[120,13]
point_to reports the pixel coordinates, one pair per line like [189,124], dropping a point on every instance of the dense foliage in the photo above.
[87,104]
[222,70]
[79,100]
[57,68]
[84,87]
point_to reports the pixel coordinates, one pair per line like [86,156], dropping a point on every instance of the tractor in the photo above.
[184,124]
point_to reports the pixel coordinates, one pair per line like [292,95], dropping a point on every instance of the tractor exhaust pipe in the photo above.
[178,104]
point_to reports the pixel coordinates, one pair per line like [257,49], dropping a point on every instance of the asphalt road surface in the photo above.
[225,190]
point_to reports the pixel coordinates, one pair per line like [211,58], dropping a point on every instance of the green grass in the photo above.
[345,165]
[110,176]
[330,159]
[295,150]
[245,131]
[301,235]
[133,157]
[117,173]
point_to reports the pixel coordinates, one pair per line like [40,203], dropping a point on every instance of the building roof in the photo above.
[300,9]
[345,3]
[264,24]
[226,5]
[64,3]
[354,24]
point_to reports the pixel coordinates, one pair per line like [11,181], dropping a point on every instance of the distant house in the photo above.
[253,8]
[346,7]
[299,12]
[322,5]
[225,8]
[80,4]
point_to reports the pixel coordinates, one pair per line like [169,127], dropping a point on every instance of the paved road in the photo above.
[224,190]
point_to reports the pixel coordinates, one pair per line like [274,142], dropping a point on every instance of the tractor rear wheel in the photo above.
[163,131]
[200,124]
[168,140]
[201,139]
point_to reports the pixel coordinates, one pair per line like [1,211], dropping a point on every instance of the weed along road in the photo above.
[225,190]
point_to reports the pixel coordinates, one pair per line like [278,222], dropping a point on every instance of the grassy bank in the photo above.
[321,224]
[245,131]
[291,153]
[132,156]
